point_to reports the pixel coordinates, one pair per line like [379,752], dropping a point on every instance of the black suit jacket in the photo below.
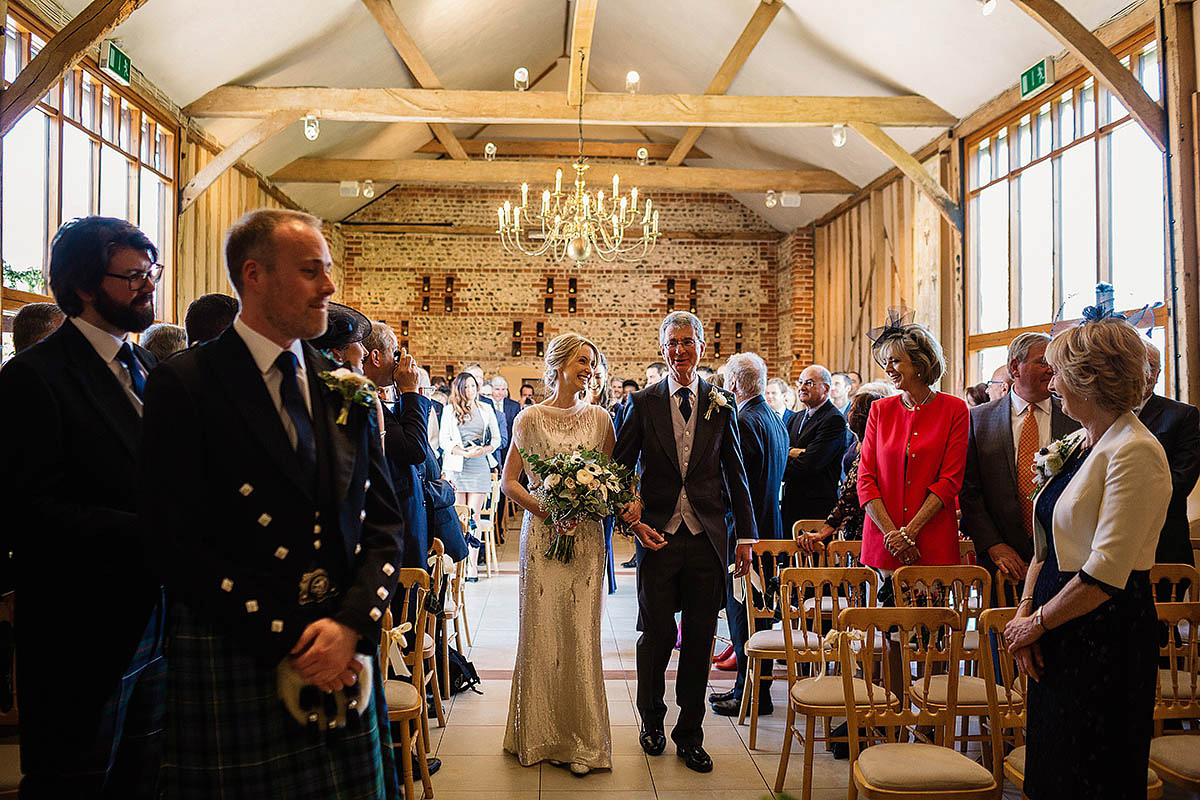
[989,499]
[810,479]
[238,534]
[1177,427]
[70,476]
[764,452]
[406,443]
[716,479]
[511,409]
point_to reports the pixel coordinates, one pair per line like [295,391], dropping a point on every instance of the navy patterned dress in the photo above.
[1090,717]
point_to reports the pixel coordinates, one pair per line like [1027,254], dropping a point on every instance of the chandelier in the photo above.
[577,223]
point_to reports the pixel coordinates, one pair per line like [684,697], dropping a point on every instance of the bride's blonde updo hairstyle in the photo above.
[562,349]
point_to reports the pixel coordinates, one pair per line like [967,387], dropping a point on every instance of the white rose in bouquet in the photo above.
[551,481]
[584,477]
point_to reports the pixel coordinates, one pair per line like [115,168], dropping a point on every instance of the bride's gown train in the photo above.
[558,710]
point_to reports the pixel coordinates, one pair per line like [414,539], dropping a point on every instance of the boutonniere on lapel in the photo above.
[1049,461]
[718,400]
[355,389]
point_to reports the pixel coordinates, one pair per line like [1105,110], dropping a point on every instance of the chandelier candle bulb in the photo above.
[616,183]
[524,194]
[655,223]
[634,196]
[517,218]
[500,213]
[558,181]
[545,201]
[600,200]
[623,203]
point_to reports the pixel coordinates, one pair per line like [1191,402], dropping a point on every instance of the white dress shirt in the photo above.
[264,352]
[685,434]
[1041,413]
[107,346]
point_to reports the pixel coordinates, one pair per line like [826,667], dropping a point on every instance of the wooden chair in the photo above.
[928,638]
[1175,583]
[1007,689]
[966,553]
[1176,755]
[768,556]
[967,590]
[405,701]
[487,528]
[844,553]
[438,684]
[1008,591]
[819,694]
[454,612]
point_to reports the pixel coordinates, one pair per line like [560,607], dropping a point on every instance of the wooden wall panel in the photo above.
[882,252]
[200,262]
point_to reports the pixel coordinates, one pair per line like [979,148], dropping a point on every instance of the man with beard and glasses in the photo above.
[90,726]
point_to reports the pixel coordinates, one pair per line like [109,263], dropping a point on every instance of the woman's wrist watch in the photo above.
[1037,619]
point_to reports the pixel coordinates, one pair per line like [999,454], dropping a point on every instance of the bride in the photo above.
[558,711]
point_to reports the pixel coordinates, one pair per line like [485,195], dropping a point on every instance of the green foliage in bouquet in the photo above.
[584,484]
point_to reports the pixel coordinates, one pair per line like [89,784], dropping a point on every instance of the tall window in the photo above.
[1063,193]
[89,147]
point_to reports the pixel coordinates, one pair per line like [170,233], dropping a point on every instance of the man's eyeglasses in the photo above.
[808,384]
[676,344]
[137,280]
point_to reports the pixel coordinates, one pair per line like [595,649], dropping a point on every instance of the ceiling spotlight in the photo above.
[489,151]
[368,188]
[632,80]
[643,155]
[839,135]
[772,199]
[312,127]
[520,79]
[988,6]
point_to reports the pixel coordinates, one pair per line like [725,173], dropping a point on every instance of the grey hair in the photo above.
[381,337]
[746,374]
[824,373]
[681,319]
[881,388]
[164,339]
[1018,349]
[1152,371]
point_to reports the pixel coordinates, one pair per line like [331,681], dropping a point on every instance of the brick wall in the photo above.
[738,280]
[796,291]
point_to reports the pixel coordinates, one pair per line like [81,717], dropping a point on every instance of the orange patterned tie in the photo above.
[1027,447]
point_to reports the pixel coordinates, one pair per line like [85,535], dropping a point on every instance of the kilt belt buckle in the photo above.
[318,710]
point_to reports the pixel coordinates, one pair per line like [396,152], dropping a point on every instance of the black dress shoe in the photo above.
[434,765]
[717,697]
[653,741]
[729,707]
[694,758]
[630,564]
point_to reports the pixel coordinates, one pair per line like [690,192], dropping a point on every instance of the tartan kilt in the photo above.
[229,735]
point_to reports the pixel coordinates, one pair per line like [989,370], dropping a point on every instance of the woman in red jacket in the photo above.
[913,455]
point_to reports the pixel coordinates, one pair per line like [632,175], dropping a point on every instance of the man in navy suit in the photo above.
[685,433]
[90,727]
[764,452]
[816,443]
[1177,427]
[278,537]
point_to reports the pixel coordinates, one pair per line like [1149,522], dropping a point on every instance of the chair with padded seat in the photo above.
[438,683]
[819,694]
[1175,754]
[1178,583]
[768,557]
[405,701]
[488,525]
[929,641]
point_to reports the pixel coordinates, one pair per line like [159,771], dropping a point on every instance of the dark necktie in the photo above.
[685,403]
[297,411]
[125,356]
[804,420]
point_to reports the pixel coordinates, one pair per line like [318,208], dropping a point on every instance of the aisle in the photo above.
[471,744]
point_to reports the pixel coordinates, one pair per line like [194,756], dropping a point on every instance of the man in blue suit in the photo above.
[764,452]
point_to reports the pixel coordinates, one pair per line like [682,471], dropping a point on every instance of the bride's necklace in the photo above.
[928,397]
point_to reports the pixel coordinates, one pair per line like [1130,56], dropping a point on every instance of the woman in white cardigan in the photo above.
[1086,631]
[469,433]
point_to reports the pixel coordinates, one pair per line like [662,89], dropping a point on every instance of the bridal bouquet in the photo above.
[584,484]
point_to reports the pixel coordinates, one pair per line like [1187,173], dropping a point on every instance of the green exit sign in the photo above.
[114,62]
[1037,77]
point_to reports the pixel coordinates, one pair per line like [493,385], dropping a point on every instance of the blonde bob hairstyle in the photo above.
[562,348]
[1103,361]
[922,348]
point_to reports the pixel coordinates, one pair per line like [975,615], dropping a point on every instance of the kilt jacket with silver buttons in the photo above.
[237,535]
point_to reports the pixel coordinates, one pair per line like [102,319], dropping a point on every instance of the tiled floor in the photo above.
[475,765]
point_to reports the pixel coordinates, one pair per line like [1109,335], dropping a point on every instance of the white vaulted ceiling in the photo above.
[945,50]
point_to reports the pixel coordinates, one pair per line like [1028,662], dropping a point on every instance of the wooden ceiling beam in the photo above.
[1101,62]
[655,151]
[333,170]
[214,169]
[422,74]
[581,49]
[70,44]
[914,171]
[745,44]
[550,108]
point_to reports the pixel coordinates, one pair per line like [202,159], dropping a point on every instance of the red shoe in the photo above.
[726,653]
[727,664]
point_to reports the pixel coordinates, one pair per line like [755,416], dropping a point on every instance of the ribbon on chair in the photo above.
[833,641]
[739,586]
[447,564]
[397,641]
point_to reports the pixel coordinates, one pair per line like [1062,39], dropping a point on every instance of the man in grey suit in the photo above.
[997,513]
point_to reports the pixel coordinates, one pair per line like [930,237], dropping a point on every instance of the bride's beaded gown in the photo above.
[558,710]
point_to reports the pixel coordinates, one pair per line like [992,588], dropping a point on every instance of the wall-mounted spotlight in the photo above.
[632,81]
[643,156]
[368,188]
[839,135]
[988,6]
[772,198]
[312,127]
[520,79]
[489,151]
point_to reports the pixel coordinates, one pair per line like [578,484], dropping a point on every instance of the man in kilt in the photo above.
[278,535]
